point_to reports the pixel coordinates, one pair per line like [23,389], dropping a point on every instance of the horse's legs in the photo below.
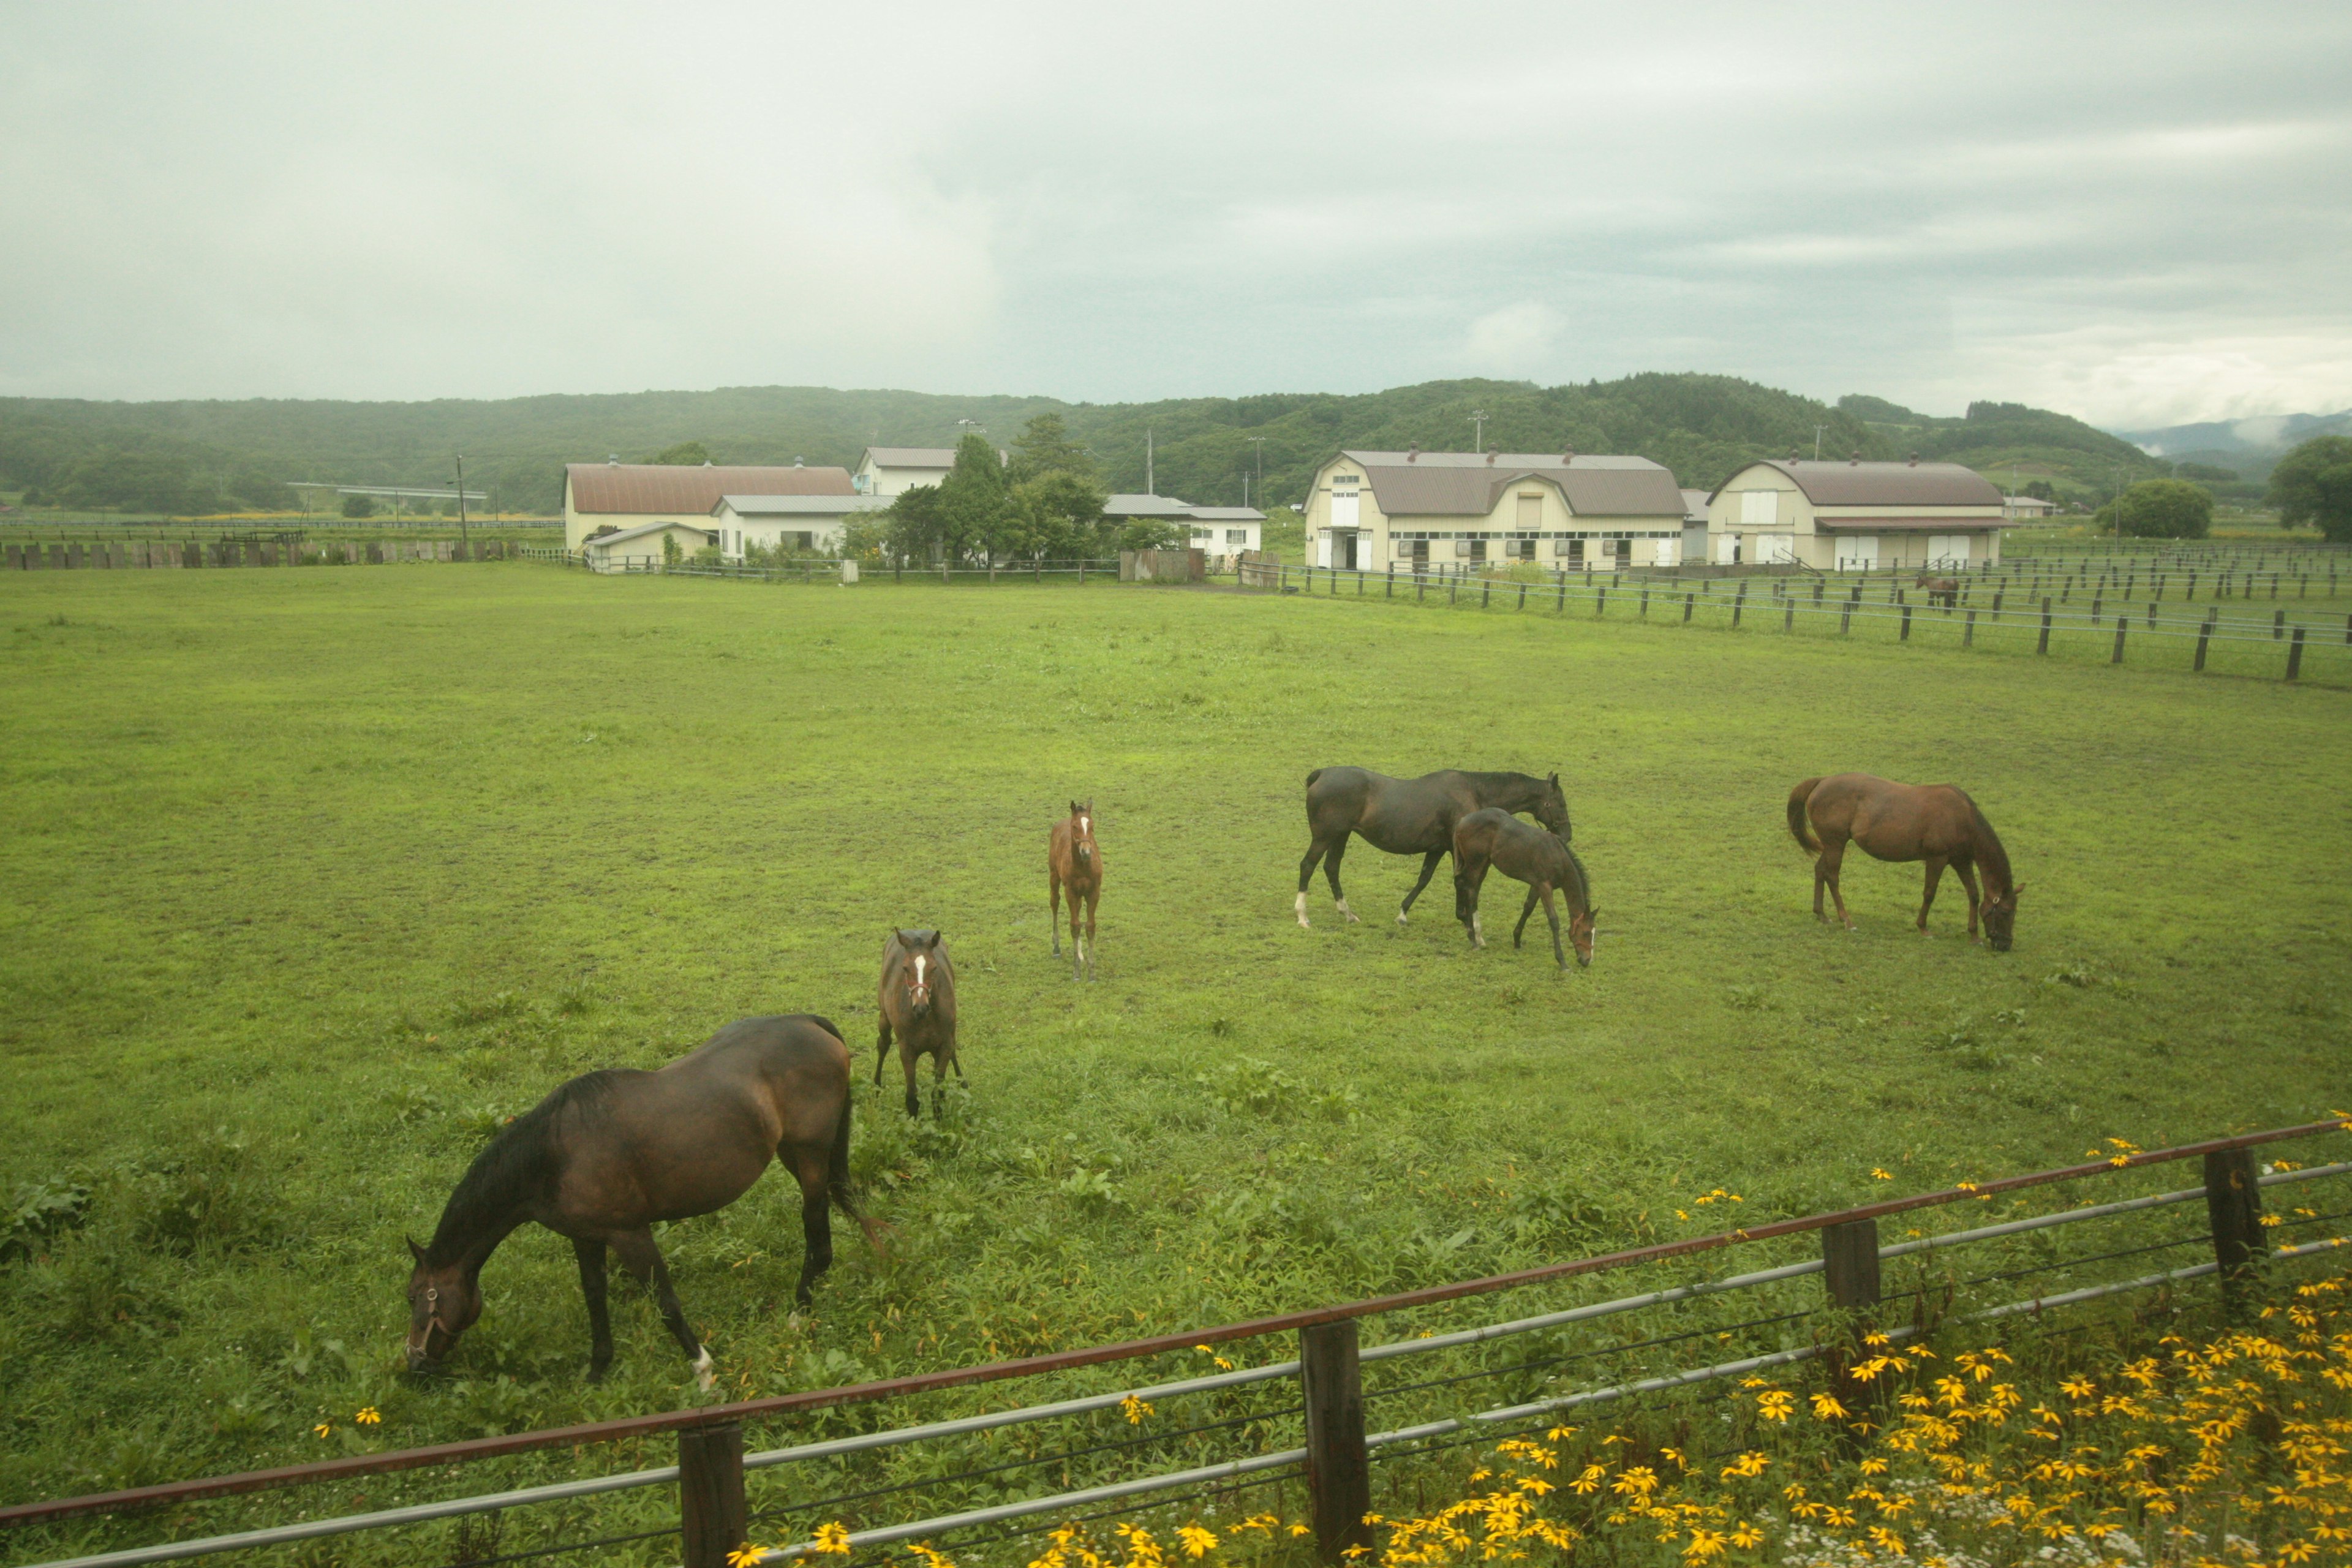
[1331,875]
[1469,879]
[883,1054]
[1968,870]
[600,1319]
[1935,875]
[1428,870]
[1054,893]
[1094,894]
[642,1260]
[1078,950]
[1520,930]
[907,1055]
[1552,914]
[1315,853]
[1825,870]
[808,1167]
[939,1084]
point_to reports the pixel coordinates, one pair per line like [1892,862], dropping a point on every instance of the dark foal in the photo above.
[1410,817]
[606,1156]
[919,1003]
[1074,862]
[1934,822]
[1944,591]
[1543,861]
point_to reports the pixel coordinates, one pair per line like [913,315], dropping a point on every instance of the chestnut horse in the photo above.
[1934,822]
[610,1154]
[1410,817]
[1542,860]
[1072,861]
[1943,590]
[918,1000]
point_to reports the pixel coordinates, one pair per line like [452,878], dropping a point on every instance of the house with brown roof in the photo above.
[1853,516]
[612,497]
[1371,510]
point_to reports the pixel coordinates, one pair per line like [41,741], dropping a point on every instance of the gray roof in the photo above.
[801,506]
[1466,484]
[1227,514]
[1829,482]
[920,456]
[1146,506]
[1695,505]
[628,534]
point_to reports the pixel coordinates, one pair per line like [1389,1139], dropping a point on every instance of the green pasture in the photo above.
[307,880]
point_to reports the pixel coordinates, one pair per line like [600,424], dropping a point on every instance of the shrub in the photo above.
[358,506]
[2161,509]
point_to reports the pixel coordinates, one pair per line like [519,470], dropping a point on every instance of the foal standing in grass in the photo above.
[1541,859]
[1073,862]
[919,1002]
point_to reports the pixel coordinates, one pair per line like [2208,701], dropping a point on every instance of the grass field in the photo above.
[309,878]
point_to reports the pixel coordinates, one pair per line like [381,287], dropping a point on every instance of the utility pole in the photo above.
[1817,441]
[465,537]
[1478,429]
[1259,442]
[1150,486]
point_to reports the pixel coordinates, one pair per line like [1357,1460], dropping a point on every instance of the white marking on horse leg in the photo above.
[1477,932]
[1301,907]
[704,1378]
[1348,913]
[1401,919]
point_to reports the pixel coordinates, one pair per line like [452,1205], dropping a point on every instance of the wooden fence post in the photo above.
[2204,636]
[1485,593]
[2278,625]
[1907,624]
[1969,632]
[2294,656]
[1599,600]
[2233,1207]
[2121,627]
[1846,617]
[710,1493]
[1850,1275]
[1338,1473]
[2044,646]
[1645,601]
[1738,602]
[1690,603]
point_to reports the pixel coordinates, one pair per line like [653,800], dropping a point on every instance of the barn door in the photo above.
[1857,551]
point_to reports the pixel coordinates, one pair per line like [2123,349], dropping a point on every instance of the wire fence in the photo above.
[814,570]
[1231,1416]
[1991,611]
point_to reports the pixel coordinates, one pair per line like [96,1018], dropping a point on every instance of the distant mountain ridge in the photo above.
[2250,446]
[180,456]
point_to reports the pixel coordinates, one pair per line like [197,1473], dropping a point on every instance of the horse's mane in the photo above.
[1502,780]
[520,1163]
[1579,889]
[1993,858]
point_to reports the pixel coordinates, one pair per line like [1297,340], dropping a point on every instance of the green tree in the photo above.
[2040,489]
[2161,509]
[1057,515]
[671,553]
[914,528]
[1153,534]
[972,512]
[684,455]
[358,506]
[1043,446]
[865,536]
[2312,486]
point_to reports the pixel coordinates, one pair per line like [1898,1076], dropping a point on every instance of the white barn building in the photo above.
[1853,516]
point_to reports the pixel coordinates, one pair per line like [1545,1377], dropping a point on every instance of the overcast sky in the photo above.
[2137,213]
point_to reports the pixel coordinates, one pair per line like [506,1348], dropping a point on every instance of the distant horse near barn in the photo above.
[1074,862]
[1541,859]
[918,1004]
[1410,817]
[1945,590]
[611,1153]
[1934,822]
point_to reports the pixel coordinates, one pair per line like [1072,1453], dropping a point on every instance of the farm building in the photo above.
[886,472]
[1853,516]
[798,523]
[642,548]
[612,497]
[1370,510]
[1217,530]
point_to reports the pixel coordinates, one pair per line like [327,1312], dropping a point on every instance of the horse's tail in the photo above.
[1797,799]
[1312,776]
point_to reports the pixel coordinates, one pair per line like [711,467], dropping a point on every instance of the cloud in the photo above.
[1514,341]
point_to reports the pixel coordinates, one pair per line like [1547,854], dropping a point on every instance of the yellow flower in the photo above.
[1878,1175]
[323,1427]
[1748,1463]
[1704,1544]
[1774,1403]
[370,1416]
[1134,1410]
[832,1540]
[1198,1542]
[745,1555]
[1827,1408]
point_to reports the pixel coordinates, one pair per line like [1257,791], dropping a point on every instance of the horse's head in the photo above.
[1552,808]
[442,1304]
[921,972]
[1082,831]
[2000,918]
[1579,935]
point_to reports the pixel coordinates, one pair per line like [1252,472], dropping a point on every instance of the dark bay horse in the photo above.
[1410,817]
[1074,862]
[1940,590]
[919,1002]
[1532,855]
[1934,822]
[606,1155]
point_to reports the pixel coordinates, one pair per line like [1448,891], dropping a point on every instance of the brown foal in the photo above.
[1074,862]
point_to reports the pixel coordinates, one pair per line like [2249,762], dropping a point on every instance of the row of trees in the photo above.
[2311,487]
[1042,501]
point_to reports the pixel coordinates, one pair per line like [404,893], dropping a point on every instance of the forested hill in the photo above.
[196,456]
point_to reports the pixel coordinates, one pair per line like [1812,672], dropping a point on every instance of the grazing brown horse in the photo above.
[607,1155]
[1532,855]
[1934,822]
[1410,817]
[918,1000]
[1072,861]
[1940,590]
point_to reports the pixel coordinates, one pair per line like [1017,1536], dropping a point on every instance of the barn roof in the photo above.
[629,535]
[1828,482]
[1465,484]
[642,488]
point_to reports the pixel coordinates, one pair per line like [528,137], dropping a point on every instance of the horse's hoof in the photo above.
[705,1378]
[1401,919]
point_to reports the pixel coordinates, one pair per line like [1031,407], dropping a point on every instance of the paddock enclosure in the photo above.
[310,879]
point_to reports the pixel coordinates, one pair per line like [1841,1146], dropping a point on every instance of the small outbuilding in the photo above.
[613,496]
[1854,515]
[797,523]
[644,548]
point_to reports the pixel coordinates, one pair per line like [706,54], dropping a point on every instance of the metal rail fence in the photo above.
[1337,1413]
[1984,613]
[826,570]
